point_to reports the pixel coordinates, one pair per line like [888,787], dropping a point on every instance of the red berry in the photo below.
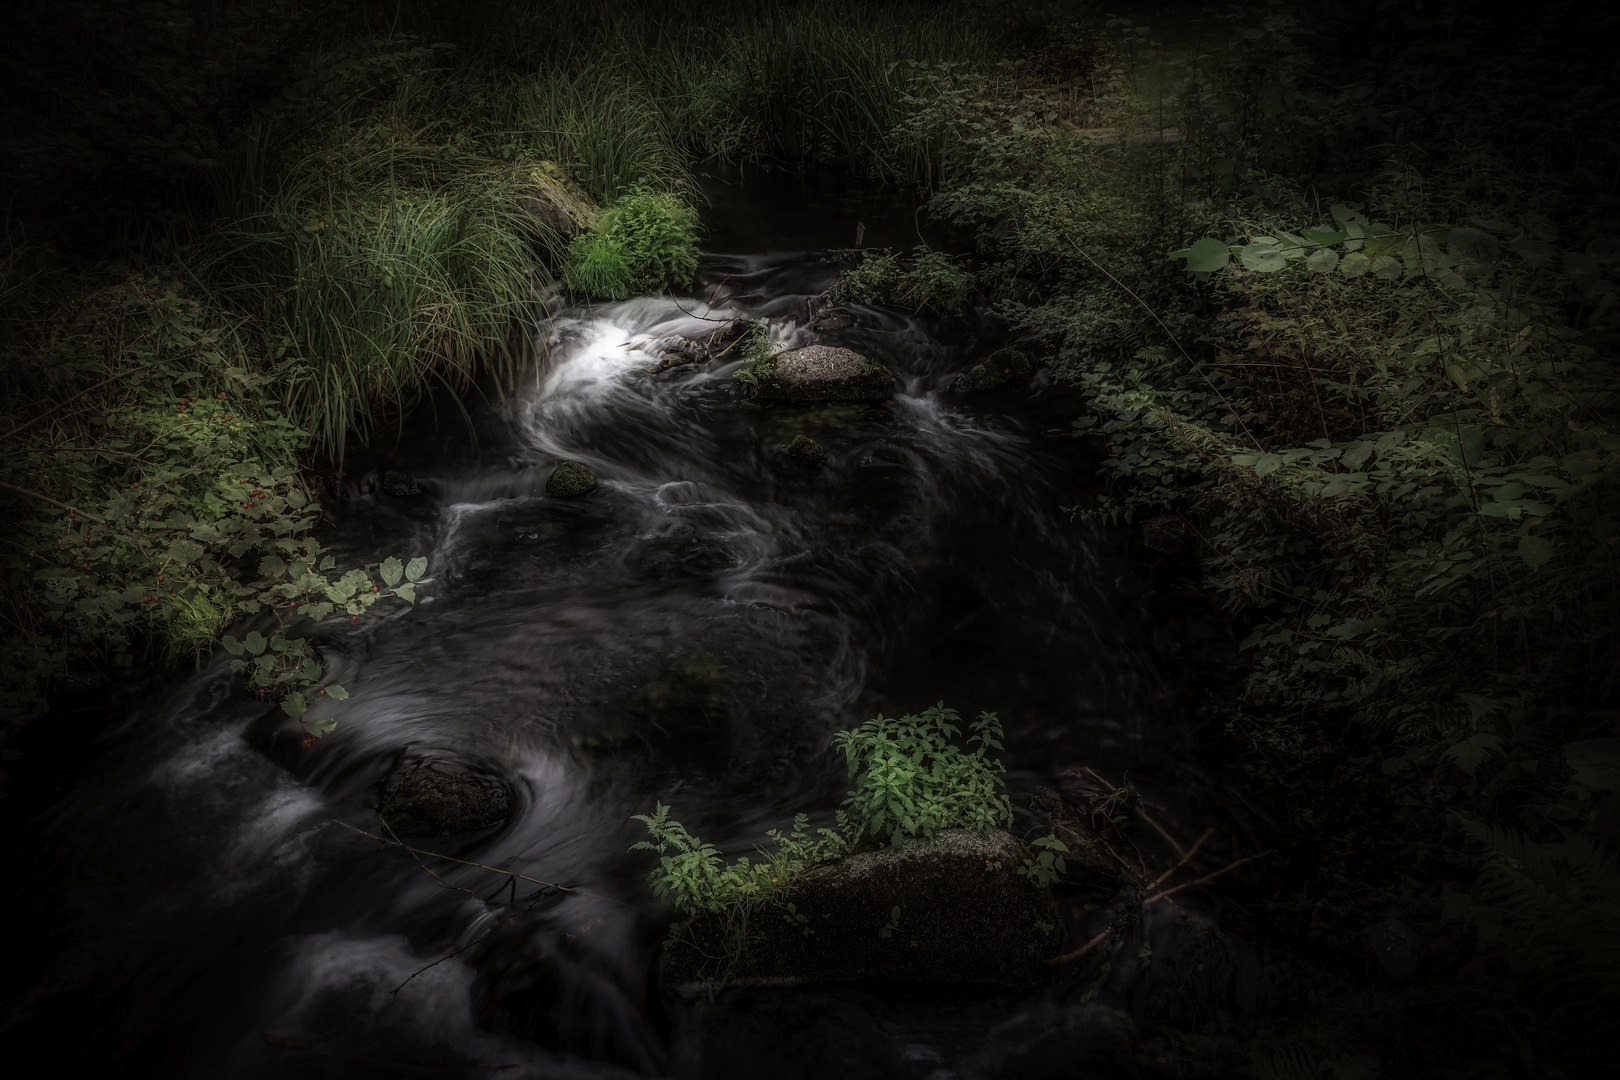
[86,565]
[374,588]
[352,618]
[323,690]
[71,514]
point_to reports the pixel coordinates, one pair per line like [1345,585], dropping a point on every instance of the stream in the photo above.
[692,632]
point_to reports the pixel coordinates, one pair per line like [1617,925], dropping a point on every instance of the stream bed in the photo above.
[692,632]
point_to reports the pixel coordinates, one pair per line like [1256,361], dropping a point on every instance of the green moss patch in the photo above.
[997,370]
[570,479]
[950,908]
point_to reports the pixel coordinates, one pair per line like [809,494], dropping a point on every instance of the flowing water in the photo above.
[691,632]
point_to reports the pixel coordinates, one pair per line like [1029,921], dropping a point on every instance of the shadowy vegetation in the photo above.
[930,284]
[1341,304]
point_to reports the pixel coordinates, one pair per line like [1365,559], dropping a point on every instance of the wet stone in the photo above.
[998,369]
[440,796]
[883,459]
[569,480]
[965,915]
[807,451]
[398,483]
[823,373]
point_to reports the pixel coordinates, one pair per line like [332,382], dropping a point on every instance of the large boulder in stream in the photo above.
[822,373]
[997,370]
[952,908]
[439,795]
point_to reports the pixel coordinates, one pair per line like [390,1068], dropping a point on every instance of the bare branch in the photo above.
[1185,859]
[1206,878]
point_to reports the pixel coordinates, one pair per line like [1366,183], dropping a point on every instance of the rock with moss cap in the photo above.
[437,794]
[964,914]
[822,373]
[570,479]
[399,484]
[997,370]
[807,451]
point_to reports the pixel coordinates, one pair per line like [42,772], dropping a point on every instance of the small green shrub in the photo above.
[911,780]
[931,284]
[645,242]
[692,875]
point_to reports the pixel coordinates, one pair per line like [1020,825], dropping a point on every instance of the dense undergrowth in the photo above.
[1374,386]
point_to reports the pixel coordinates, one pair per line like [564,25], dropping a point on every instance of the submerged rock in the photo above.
[440,795]
[570,479]
[951,908]
[807,450]
[883,459]
[398,483]
[823,373]
[996,370]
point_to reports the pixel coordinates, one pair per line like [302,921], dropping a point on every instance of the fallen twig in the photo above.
[427,870]
[1206,878]
[53,502]
[1083,951]
[481,866]
[1185,859]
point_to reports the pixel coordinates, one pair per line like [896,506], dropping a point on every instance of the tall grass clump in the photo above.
[808,83]
[603,127]
[645,242]
[390,259]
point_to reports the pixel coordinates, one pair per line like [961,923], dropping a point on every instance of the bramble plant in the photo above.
[286,667]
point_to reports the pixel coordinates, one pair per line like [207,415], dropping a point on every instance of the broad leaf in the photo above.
[1204,256]
[294,705]
[391,569]
[1323,260]
[1535,551]
[416,568]
[1262,256]
[254,642]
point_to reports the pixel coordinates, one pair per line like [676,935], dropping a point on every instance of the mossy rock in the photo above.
[996,370]
[806,450]
[438,797]
[570,479]
[822,373]
[965,915]
[553,203]
[398,483]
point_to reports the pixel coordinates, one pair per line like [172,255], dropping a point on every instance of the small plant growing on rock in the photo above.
[912,780]
[1047,865]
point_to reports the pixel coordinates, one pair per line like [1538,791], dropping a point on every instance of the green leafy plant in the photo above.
[286,668]
[758,349]
[927,283]
[645,242]
[912,780]
[1046,866]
